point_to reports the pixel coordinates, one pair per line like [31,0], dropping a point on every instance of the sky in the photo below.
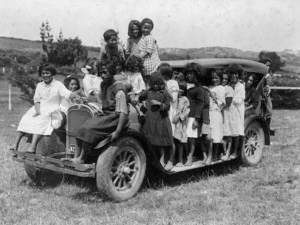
[253,25]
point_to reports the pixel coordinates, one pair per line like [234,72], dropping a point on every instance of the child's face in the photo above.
[146,28]
[249,81]
[215,79]
[113,41]
[135,31]
[73,85]
[190,77]
[225,79]
[234,77]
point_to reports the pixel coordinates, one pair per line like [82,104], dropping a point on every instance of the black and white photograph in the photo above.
[140,112]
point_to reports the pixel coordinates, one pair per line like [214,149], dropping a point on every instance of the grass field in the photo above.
[266,194]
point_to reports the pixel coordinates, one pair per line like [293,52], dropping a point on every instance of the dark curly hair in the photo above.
[254,77]
[110,65]
[235,69]
[156,78]
[47,67]
[109,33]
[68,79]
[147,20]
[130,27]
[197,70]
[134,64]
[165,70]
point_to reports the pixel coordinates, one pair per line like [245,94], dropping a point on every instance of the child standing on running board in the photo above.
[180,122]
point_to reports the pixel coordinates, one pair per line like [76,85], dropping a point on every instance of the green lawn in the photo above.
[267,194]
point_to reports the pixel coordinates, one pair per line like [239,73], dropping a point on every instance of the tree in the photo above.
[277,62]
[64,51]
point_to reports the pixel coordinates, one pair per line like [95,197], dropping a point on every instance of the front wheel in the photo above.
[254,143]
[121,170]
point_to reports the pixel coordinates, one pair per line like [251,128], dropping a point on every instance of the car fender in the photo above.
[249,119]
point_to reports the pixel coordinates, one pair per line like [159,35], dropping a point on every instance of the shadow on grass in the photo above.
[156,180]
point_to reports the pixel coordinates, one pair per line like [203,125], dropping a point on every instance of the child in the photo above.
[228,117]
[114,119]
[157,127]
[172,87]
[238,110]
[135,34]
[134,77]
[112,50]
[180,121]
[72,84]
[199,109]
[217,102]
[148,49]
[91,82]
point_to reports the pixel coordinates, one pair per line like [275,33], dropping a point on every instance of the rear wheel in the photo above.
[121,170]
[254,143]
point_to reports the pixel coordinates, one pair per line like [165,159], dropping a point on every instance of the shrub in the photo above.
[26,83]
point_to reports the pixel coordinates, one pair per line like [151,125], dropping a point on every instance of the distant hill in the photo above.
[291,57]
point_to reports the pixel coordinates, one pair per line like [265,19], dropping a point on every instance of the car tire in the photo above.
[121,170]
[254,143]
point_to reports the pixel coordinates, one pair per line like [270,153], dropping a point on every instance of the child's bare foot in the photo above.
[179,165]
[233,156]
[74,160]
[208,161]
[189,161]
[13,148]
[169,165]
[225,157]
[162,162]
[31,150]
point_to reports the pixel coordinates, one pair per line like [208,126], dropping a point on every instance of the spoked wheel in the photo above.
[254,143]
[121,170]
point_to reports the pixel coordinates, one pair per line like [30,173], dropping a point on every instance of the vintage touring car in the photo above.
[119,167]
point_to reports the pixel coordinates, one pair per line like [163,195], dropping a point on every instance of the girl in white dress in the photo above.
[229,114]
[216,104]
[47,98]
[172,87]
[72,84]
[235,71]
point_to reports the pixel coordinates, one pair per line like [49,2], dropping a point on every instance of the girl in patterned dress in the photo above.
[180,121]
[148,49]
[157,128]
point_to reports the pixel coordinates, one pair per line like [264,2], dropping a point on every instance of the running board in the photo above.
[197,164]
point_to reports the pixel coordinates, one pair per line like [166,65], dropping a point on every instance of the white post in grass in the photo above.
[9,97]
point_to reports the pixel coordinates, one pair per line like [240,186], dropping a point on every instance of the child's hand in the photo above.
[155,102]
[175,119]
[114,135]
[195,125]
[36,114]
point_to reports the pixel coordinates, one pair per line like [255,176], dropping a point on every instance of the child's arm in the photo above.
[239,95]
[149,46]
[122,111]
[102,53]
[121,52]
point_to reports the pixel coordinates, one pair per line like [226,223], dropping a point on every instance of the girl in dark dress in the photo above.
[157,127]
[113,120]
